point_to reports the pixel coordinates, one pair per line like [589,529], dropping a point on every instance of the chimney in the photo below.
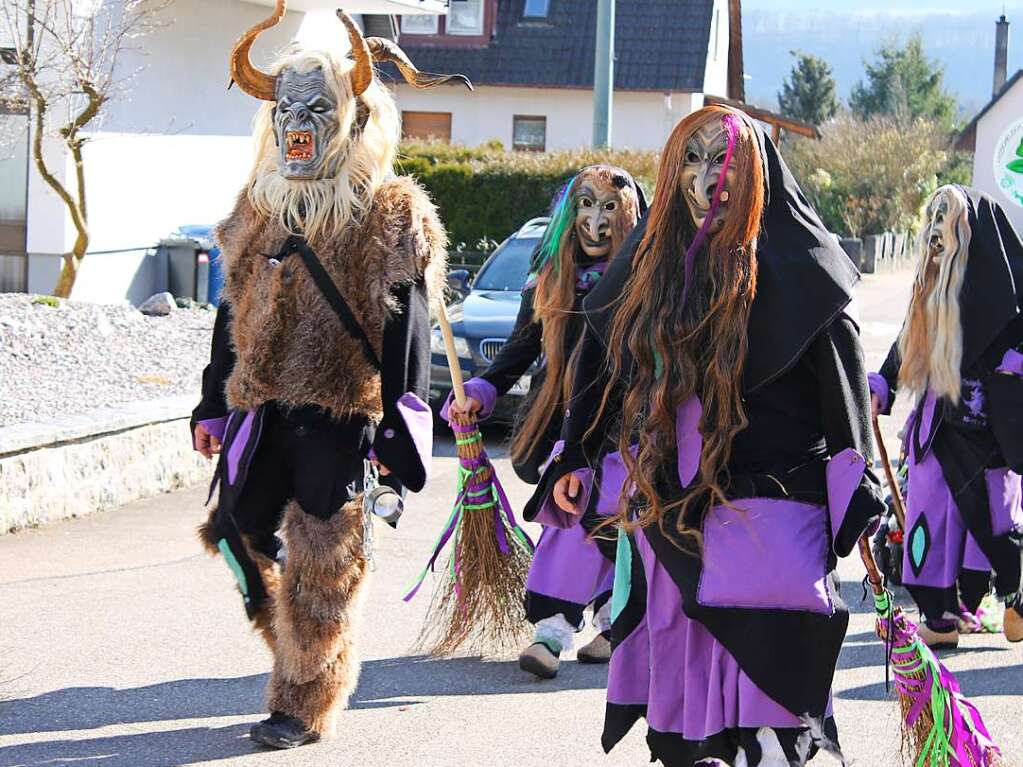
[1001,53]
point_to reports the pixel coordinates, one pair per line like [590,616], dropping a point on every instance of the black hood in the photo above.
[990,296]
[804,278]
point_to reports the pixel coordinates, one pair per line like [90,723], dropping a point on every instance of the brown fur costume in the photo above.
[290,346]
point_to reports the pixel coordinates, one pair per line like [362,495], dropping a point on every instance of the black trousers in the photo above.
[304,455]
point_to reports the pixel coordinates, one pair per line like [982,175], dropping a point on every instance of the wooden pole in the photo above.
[454,366]
[893,485]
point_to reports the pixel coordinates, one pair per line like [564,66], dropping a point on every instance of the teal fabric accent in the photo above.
[551,645]
[918,546]
[236,568]
[623,575]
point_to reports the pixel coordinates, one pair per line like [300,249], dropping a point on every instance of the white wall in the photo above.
[640,121]
[716,75]
[1006,112]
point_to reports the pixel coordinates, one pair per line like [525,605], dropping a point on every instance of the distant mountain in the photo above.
[963,41]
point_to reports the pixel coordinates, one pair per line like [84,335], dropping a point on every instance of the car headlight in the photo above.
[437,345]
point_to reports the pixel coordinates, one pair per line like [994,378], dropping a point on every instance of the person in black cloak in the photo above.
[590,219]
[721,352]
[960,352]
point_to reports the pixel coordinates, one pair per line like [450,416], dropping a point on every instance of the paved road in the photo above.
[122,646]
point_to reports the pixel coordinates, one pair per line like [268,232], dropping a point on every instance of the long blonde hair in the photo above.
[931,342]
[358,159]
[554,300]
[669,352]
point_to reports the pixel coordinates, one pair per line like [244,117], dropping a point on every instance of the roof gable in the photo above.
[660,45]
[967,141]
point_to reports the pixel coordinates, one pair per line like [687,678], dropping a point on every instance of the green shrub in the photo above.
[52,301]
[485,193]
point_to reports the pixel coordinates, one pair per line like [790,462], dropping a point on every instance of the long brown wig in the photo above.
[668,352]
[554,299]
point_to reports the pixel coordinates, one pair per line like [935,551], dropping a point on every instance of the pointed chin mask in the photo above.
[703,171]
[598,209]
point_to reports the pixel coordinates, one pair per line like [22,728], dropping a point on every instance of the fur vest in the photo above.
[290,346]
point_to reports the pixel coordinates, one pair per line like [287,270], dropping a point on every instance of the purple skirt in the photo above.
[686,681]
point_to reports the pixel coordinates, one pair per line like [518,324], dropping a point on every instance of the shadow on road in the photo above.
[402,681]
[975,683]
[169,748]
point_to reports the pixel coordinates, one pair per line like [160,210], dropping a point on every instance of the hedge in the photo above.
[485,193]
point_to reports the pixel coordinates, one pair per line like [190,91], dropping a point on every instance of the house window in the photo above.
[424,126]
[419,24]
[536,9]
[529,133]
[465,17]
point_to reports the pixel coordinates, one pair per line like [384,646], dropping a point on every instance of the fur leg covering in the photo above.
[315,665]
[269,571]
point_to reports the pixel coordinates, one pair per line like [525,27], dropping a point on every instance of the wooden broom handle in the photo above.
[893,485]
[454,366]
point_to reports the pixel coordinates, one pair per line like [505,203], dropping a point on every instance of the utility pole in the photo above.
[604,74]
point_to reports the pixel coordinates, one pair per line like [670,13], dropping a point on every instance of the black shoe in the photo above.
[282,731]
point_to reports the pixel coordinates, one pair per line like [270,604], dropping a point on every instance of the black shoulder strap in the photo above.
[333,295]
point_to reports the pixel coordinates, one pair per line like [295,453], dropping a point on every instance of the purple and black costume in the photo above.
[965,458]
[729,650]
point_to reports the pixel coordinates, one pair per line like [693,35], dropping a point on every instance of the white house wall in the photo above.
[641,120]
[1008,110]
[715,80]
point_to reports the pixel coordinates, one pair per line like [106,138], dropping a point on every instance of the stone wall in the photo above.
[94,462]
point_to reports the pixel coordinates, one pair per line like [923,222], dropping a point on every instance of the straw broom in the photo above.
[941,728]
[479,606]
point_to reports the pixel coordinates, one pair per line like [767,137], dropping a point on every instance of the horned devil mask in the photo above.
[317,110]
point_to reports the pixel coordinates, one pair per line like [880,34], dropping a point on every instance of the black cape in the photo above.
[800,345]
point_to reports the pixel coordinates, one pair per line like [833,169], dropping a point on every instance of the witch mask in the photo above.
[704,170]
[599,208]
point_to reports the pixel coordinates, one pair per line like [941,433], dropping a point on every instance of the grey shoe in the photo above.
[538,659]
[282,731]
[598,650]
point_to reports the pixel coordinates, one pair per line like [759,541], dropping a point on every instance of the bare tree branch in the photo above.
[66,69]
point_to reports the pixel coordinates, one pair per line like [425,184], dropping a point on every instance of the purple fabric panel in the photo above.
[558,449]
[215,427]
[628,676]
[844,473]
[612,479]
[481,390]
[1003,489]
[568,565]
[928,495]
[925,411]
[973,557]
[551,515]
[696,687]
[782,546]
[1012,362]
[237,447]
[689,440]
[418,420]
[879,386]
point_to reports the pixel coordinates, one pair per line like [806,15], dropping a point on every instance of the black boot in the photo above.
[282,731]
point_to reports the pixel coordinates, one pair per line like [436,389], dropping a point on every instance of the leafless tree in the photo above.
[66,64]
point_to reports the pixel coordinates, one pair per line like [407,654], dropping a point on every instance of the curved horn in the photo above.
[249,78]
[362,72]
[383,49]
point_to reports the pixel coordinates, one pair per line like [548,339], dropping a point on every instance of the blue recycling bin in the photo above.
[203,234]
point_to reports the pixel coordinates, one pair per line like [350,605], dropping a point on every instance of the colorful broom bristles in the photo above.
[942,728]
[480,606]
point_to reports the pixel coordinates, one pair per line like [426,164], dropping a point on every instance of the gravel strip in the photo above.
[75,357]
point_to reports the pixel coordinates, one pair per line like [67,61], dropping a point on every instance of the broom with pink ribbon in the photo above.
[479,604]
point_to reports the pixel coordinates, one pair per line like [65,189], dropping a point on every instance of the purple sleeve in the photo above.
[1012,363]
[481,390]
[552,515]
[879,387]
[215,426]
[843,477]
